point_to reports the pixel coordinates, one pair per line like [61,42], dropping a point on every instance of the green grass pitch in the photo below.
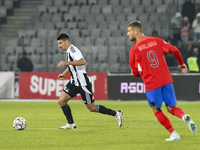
[94,131]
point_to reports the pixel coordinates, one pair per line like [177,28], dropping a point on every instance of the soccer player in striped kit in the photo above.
[148,54]
[79,83]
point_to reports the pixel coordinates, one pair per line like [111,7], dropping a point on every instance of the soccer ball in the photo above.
[19,123]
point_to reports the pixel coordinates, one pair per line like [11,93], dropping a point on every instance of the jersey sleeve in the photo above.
[133,61]
[166,47]
[77,55]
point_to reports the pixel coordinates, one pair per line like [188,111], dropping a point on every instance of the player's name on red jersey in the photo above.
[148,45]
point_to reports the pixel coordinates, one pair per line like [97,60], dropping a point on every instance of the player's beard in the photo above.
[132,38]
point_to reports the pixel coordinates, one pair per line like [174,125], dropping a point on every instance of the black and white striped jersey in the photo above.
[78,73]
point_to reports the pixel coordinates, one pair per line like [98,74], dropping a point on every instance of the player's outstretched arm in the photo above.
[63,75]
[183,68]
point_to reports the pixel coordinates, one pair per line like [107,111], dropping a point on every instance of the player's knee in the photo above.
[91,109]
[61,103]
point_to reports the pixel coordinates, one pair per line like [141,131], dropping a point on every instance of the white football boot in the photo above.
[190,123]
[68,126]
[174,137]
[118,117]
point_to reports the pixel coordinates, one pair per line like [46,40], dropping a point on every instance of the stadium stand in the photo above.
[97,27]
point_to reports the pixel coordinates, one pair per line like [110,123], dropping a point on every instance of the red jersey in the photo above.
[148,52]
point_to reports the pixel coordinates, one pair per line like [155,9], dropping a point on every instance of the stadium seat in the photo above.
[121,17]
[154,17]
[107,9]
[127,10]
[35,58]
[117,9]
[8,4]
[92,25]
[70,2]
[110,17]
[92,2]
[139,9]
[42,33]
[47,3]
[95,32]
[31,33]
[44,59]
[78,41]
[71,25]
[21,33]
[135,3]
[103,25]
[116,33]
[30,50]
[56,17]
[79,17]
[125,3]
[113,25]
[52,9]
[35,42]
[151,9]
[100,41]
[49,25]
[52,33]
[42,9]
[12,59]
[105,33]
[82,2]
[45,17]
[85,9]
[74,33]
[63,9]
[103,67]
[82,25]
[68,17]
[157,2]
[9,50]
[100,18]
[58,3]
[38,67]
[89,18]
[132,17]
[59,25]
[114,2]
[143,17]
[74,9]
[95,9]
[146,3]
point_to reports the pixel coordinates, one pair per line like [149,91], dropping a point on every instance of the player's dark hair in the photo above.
[136,24]
[63,36]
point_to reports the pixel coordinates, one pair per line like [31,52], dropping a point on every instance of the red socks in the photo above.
[177,112]
[164,121]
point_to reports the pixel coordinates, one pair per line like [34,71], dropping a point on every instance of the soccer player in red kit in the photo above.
[147,59]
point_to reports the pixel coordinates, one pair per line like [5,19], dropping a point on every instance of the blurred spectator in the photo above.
[188,10]
[183,50]
[167,38]
[195,48]
[196,27]
[193,63]
[185,30]
[190,43]
[171,60]
[24,63]
[175,26]
[155,33]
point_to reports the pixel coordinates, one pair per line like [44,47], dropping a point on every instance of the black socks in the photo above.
[67,112]
[104,110]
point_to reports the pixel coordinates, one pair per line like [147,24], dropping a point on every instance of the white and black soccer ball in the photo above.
[19,123]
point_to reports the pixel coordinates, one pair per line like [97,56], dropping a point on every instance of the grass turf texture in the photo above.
[140,130]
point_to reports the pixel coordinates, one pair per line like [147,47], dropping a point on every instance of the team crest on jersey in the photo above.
[66,89]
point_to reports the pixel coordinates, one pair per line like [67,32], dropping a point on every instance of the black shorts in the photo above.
[85,91]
